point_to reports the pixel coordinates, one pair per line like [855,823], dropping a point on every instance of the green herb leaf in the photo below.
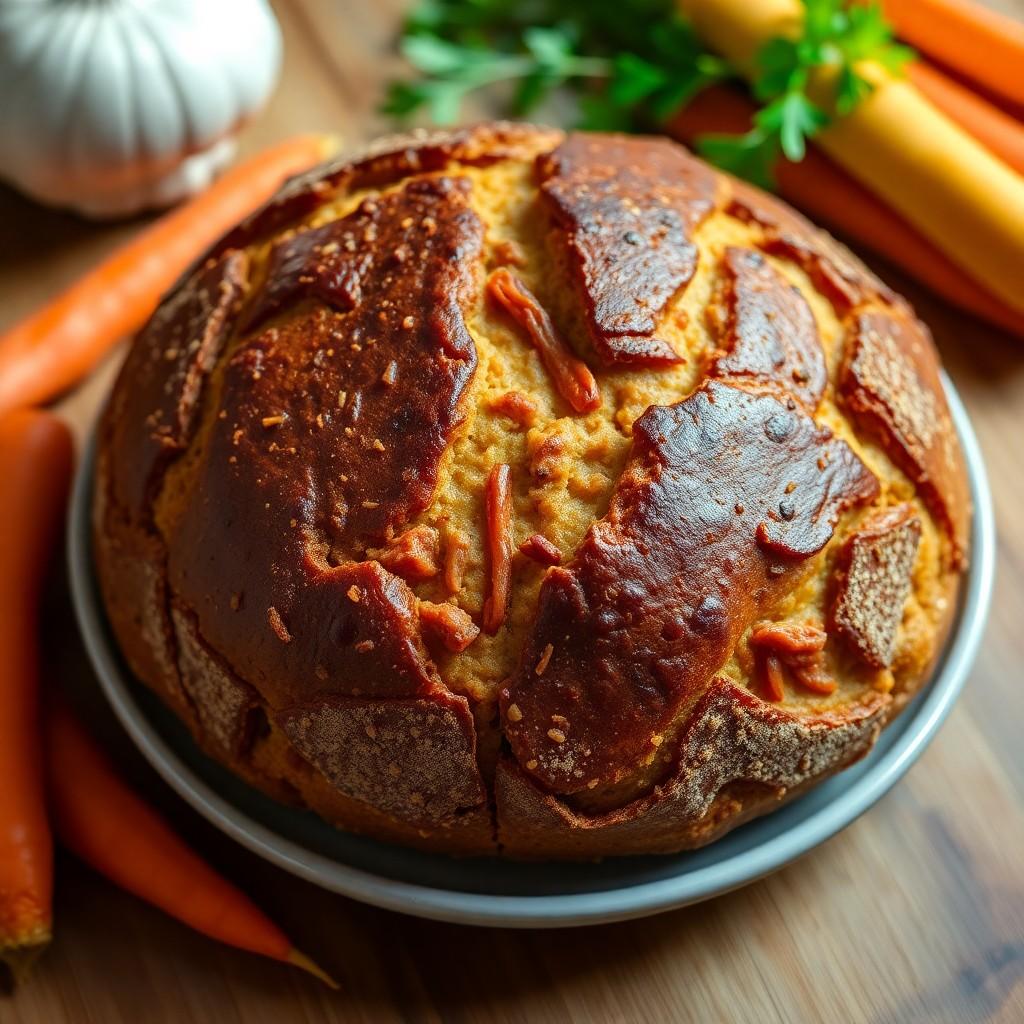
[550,47]
[835,34]
[433,56]
[631,64]
[751,156]
[851,88]
[634,79]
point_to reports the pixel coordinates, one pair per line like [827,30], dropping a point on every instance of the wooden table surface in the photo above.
[914,913]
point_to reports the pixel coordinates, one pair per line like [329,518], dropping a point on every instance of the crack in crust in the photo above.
[873,580]
[890,383]
[766,329]
[626,210]
[290,456]
[725,493]
[735,752]
[386,162]
[832,268]
[155,416]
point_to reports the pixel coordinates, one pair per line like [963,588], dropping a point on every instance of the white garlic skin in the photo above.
[111,107]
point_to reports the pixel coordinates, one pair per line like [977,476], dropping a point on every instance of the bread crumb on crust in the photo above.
[293,535]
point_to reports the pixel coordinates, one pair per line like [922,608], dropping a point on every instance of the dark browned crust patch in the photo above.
[626,209]
[312,456]
[167,367]
[385,163]
[766,330]
[833,269]
[873,580]
[890,382]
[734,750]
[412,759]
[703,531]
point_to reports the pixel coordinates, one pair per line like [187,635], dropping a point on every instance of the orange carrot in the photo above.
[52,349]
[997,131]
[772,678]
[35,464]
[830,196]
[105,824]
[498,530]
[975,41]
[571,376]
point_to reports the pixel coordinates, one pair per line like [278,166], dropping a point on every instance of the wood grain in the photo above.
[914,913]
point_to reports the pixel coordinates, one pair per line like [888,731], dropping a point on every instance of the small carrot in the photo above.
[830,196]
[35,464]
[979,43]
[53,348]
[105,824]
[997,131]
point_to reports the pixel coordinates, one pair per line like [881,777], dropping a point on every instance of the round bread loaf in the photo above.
[508,491]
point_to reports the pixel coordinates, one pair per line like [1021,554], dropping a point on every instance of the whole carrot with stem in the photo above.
[99,819]
[35,465]
[52,349]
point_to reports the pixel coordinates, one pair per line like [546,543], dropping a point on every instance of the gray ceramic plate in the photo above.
[492,892]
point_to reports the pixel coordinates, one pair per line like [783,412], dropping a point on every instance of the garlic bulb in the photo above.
[114,106]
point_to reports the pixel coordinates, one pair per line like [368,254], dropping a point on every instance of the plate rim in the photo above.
[566,909]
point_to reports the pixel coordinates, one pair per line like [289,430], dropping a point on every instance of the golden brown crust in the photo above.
[766,331]
[702,535]
[626,209]
[736,752]
[291,526]
[835,271]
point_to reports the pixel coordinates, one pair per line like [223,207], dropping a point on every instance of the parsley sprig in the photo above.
[836,36]
[630,64]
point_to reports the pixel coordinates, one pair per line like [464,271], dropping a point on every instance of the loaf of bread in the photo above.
[508,491]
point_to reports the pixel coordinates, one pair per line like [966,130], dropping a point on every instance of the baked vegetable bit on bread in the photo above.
[503,491]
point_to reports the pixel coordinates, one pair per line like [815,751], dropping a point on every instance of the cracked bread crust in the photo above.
[293,545]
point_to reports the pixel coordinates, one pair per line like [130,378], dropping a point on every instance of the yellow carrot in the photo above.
[998,131]
[827,194]
[897,144]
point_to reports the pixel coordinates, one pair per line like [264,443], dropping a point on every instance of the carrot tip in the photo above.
[20,959]
[300,959]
